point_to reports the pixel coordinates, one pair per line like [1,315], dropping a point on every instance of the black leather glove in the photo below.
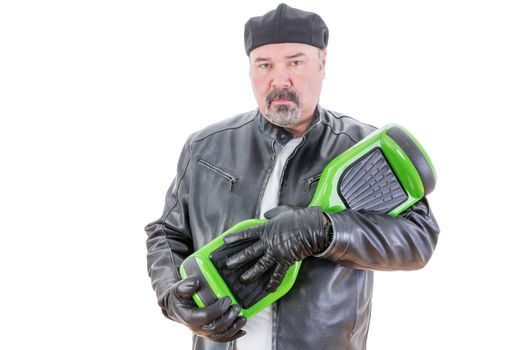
[291,235]
[218,322]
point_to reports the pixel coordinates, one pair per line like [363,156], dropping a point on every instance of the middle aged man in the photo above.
[271,158]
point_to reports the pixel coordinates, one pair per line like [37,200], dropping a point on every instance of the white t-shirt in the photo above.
[259,327]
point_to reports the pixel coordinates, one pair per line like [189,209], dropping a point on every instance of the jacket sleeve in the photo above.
[169,238]
[382,242]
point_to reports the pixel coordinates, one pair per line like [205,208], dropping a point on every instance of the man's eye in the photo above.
[297,62]
[264,65]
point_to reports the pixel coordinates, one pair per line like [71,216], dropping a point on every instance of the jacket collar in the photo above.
[279,133]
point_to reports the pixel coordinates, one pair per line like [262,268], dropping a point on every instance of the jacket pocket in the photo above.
[230,178]
[310,185]
[212,195]
[311,182]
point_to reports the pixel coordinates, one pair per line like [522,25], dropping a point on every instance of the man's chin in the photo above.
[283,123]
[283,120]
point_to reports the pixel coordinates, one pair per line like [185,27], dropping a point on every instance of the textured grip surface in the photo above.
[370,185]
[246,294]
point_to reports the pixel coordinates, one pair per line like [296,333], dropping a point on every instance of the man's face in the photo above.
[287,80]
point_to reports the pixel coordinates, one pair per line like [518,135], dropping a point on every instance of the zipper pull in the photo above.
[311,180]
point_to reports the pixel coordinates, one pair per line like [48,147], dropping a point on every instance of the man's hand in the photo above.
[217,322]
[291,235]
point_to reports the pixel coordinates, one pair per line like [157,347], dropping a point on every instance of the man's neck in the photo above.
[299,129]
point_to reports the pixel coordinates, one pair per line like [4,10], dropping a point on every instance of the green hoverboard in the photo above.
[386,172]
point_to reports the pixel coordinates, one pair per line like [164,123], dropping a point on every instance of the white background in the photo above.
[97,98]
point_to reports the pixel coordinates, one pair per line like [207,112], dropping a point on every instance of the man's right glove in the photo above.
[291,234]
[217,322]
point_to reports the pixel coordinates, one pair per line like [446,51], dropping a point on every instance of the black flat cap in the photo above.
[285,24]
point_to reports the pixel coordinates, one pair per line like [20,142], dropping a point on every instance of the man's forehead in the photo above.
[282,51]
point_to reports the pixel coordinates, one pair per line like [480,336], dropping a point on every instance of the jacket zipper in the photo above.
[268,172]
[286,163]
[274,305]
[232,179]
[311,180]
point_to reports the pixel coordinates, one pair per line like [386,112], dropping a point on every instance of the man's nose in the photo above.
[281,79]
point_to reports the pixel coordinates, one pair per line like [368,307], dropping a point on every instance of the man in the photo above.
[270,158]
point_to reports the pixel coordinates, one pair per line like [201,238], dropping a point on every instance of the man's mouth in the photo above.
[282,98]
[282,102]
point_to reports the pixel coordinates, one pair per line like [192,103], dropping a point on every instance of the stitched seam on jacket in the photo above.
[176,189]
[358,305]
[339,133]
[225,129]
[347,116]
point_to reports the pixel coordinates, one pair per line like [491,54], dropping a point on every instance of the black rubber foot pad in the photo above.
[370,185]
[246,294]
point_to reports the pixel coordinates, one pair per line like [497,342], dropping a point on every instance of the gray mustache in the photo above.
[282,95]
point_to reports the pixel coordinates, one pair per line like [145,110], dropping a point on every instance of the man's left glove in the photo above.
[218,322]
[291,234]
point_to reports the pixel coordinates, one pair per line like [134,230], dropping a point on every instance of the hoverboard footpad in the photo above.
[370,185]
[245,294]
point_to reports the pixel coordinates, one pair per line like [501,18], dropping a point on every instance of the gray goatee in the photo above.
[283,115]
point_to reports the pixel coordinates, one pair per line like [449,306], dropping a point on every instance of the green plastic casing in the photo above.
[327,197]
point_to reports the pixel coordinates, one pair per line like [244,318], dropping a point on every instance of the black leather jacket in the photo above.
[222,173]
